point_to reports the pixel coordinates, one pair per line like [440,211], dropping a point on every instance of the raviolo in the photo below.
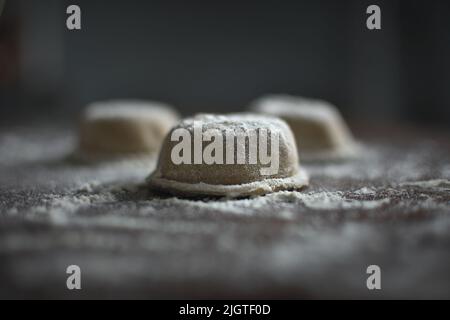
[235,155]
[122,128]
[320,131]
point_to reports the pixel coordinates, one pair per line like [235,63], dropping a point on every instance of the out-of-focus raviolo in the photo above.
[236,155]
[320,131]
[121,128]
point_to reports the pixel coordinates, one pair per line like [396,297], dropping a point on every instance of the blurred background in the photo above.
[217,56]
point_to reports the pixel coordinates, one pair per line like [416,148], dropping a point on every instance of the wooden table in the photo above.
[390,208]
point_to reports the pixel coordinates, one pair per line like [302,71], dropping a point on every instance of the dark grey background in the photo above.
[217,56]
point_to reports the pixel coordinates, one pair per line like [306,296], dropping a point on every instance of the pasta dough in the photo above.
[121,128]
[239,169]
[319,129]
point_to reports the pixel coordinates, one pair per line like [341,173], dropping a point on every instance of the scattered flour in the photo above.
[326,200]
[436,184]
[192,240]
[61,208]
[100,184]
[285,204]
[28,147]
[365,191]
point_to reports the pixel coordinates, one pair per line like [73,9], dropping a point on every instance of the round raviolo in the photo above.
[319,129]
[123,128]
[234,155]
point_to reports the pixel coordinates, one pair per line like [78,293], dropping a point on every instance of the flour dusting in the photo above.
[437,184]
[390,207]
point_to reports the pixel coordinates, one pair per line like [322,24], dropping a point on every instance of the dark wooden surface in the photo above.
[390,208]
